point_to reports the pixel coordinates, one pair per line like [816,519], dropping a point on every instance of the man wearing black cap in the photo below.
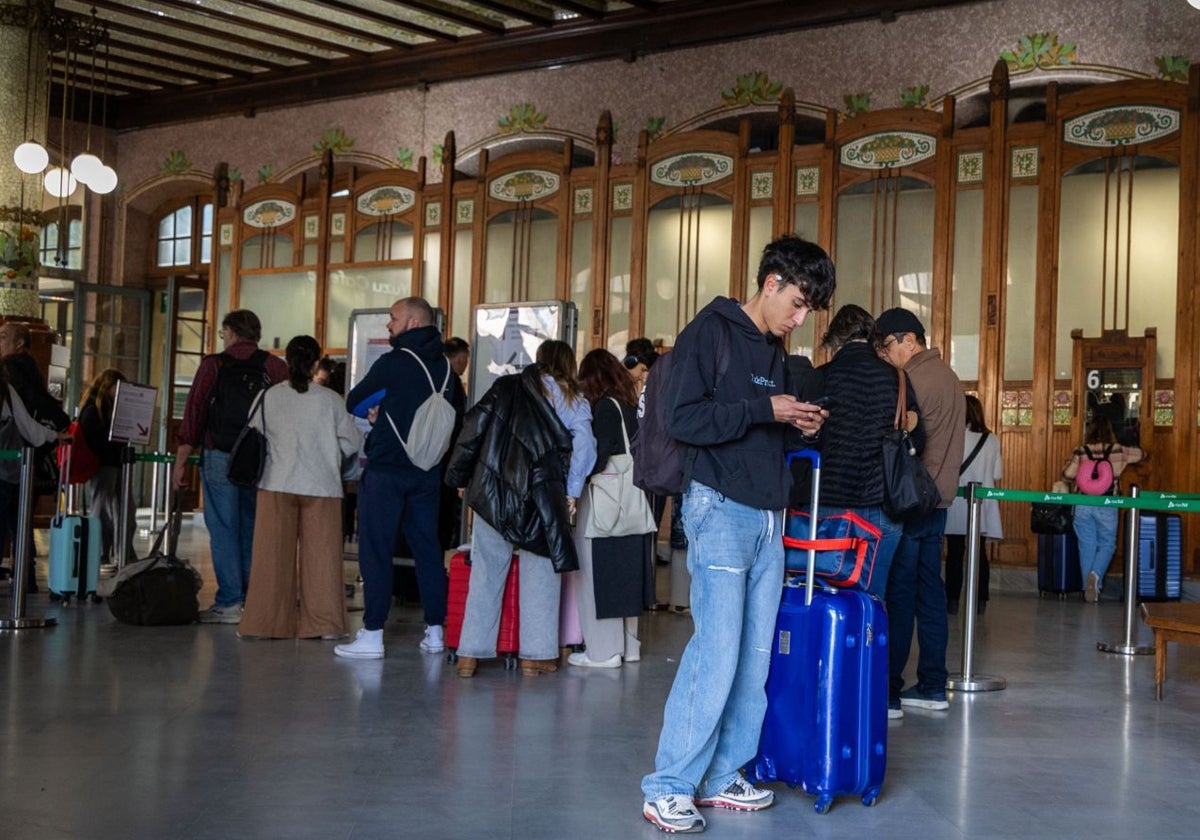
[915,591]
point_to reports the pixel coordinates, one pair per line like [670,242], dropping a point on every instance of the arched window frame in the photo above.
[197,232]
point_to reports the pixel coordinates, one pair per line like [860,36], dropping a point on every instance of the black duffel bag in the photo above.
[158,590]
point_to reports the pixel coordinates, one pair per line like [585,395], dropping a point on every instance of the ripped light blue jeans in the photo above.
[715,710]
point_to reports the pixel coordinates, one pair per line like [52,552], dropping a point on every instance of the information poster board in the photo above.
[133,413]
[506,337]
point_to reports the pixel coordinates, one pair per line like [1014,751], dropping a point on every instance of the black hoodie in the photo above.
[735,445]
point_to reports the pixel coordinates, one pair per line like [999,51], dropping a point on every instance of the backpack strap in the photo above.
[433,389]
[429,376]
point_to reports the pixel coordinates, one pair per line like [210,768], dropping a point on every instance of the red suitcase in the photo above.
[508,644]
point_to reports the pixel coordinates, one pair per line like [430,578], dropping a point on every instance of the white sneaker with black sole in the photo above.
[674,814]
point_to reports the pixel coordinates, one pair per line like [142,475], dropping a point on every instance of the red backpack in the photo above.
[76,461]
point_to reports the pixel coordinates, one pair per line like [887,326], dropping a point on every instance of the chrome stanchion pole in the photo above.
[124,536]
[21,558]
[968,680]
[155,472]
[1130,647]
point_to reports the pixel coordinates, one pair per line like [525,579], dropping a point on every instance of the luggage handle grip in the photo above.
[815,457]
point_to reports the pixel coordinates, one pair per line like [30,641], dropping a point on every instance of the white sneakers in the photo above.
[367,644]
[580,660]
[434,641]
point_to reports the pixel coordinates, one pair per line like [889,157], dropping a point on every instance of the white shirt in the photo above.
[986,469]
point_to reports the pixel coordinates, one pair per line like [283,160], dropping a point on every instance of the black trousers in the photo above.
[956,553]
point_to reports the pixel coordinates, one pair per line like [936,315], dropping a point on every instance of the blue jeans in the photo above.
[1096,530]
[889,538]
[915,592]
[388,501]
[229,516]
[715,710]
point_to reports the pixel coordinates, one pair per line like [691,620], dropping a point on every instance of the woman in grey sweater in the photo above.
[296,587]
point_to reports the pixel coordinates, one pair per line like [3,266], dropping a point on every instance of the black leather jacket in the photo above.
[511,457]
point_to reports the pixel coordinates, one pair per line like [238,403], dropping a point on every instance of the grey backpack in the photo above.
[432,425]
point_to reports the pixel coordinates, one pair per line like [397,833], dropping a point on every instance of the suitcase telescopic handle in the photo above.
[815,457]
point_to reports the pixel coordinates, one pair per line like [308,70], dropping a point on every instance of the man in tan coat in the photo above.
[915,591]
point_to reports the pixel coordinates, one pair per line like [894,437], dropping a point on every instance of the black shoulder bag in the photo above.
[909,491]
[248,456]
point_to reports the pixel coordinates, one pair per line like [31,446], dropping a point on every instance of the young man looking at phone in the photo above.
[737,485]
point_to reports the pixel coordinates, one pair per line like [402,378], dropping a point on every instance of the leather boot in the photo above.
[466,665]
[533,667]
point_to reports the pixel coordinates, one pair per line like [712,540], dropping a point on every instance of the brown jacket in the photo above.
[943,416]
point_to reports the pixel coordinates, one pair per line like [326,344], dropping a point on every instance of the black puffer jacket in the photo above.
[511,457]
[862,391]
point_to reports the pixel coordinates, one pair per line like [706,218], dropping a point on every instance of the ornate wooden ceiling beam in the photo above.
[676,25]
[114,73]
[324,23]
[252,44]
[183,43]
[117,60]
[453,14]
[386,20]
[177,58]
[246,22]
[534,13]
[593,9]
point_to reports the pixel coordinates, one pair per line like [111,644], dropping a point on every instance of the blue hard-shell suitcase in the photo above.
[1058,564]
[827,692]
[1160,557]
[74,568]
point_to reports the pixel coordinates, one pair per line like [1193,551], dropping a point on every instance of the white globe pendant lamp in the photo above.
[103,181]
[31,157]
[59,182]
[85,167]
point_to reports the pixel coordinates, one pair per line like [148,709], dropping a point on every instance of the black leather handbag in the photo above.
[248,457]
[1051,519]
[909,491]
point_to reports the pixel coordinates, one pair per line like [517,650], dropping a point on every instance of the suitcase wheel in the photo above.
[55,597]
[870,797]
[510,662]
[823,804]
[451,656]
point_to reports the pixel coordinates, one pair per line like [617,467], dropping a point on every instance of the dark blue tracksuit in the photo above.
[393,493]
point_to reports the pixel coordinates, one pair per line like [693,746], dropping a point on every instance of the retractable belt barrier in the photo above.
[976,494]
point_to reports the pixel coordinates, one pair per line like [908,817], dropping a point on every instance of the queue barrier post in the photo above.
[155,473]
[124,537]
[1129,646]
[967,679]
[21,559]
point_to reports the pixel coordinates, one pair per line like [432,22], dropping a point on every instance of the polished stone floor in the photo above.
[112,731]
